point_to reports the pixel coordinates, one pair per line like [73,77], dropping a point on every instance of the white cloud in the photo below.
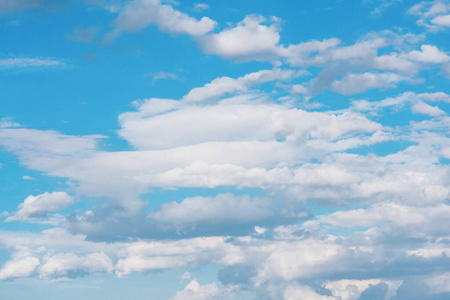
[138,14]
[226,85]
[248,40]
[25,62]
[352,289]
[358,83]
[201,6]
[413,219]
[164,75]
[18,267]
[428,54]
[442,20]
[8,123]
[196,291]
[70,265]
[145,257]
[431,14]
[41,205]
[223,208]
[439,283]
[296,291]
[418,103]
[426,109]
[22,139]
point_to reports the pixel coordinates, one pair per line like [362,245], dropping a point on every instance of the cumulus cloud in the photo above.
[250,39]
[145,257]
[138,14]
[220,209]
[296,291]
[432,14]
[195,291]
[358,83]
[41,206]
[18,267]
[226,85]
[69,265]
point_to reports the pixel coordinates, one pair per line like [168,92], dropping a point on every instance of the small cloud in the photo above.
[260,230]
[163,75]
[200,6]
[26,62]
[8,123]
[28,178]
[86,35]
[90,56]
[186,276]
[109,37]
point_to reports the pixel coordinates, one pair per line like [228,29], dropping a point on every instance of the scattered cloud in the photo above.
[12,63]
[138,14]
[41,205]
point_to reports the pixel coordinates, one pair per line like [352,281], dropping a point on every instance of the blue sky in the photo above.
[224,149]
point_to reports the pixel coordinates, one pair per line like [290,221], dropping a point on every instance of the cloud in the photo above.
[352,289]
[164,75]
[195,291]
[221,86]
[248,40]
[86,35]
[19,5]
[145,257]
[24,62]
[41,206]
[18,267]
[200,6]
[432,14]
[423,108]
[428,54]
[138,14]
[219,209]
[412,219]
[296,291]
[358,83]
[70,265]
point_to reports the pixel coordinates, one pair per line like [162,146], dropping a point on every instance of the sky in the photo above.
[239,150]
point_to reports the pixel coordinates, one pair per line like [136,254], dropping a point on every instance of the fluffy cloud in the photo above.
[226,85]
[248,40]
[196,291]
[296,291]
[18,267]
[358,83]
[432,14]
[70,265]
[138,14]
[145,257]
[412,219]
[220,209]
[41,206]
